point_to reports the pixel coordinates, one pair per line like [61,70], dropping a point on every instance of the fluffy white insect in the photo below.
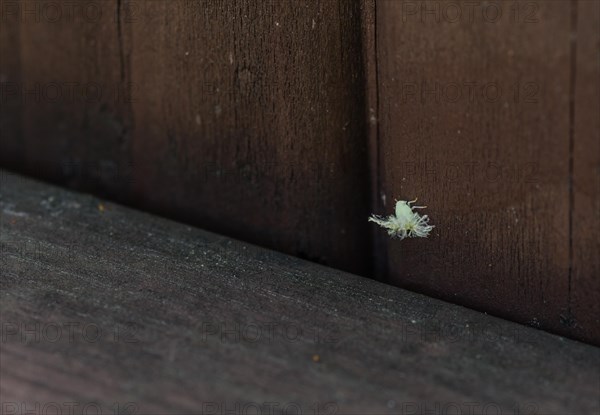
[406,223]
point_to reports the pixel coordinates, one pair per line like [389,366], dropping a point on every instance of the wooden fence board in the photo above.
[252,117]
[12,152]
[74,94]
[584,289]
[474,120]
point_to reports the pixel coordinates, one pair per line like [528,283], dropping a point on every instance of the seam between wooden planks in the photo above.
[372,111]
[572,86]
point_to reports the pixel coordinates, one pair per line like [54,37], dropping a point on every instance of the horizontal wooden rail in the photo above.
[106,307]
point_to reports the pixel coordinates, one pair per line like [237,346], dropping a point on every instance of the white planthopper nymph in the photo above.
[406,223]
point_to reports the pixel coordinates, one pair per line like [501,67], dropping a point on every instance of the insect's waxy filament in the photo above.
[406,223]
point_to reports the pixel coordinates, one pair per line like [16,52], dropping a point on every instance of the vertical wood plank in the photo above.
[252,117]
[76,94]
[11,149]
[474,121]
[584,290]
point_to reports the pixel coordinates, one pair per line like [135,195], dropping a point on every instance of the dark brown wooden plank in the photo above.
[145,299]
[11,148]
[76,94]
[474,121]
[584,312]
[254,113]
[244,117]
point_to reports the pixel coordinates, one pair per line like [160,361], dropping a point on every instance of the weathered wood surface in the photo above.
[243,117]
[12,154]
[584,294]
[261,121]
[102,305]
[476,120]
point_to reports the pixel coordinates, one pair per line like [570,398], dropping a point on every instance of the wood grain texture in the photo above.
[243,117]
[584,293]
[475,122]
[253,111]
[74,89]
[11,144]
[277,124]
[109,306]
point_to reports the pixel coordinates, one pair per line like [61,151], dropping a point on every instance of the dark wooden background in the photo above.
[492,121]
[241,117]
[286,124]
